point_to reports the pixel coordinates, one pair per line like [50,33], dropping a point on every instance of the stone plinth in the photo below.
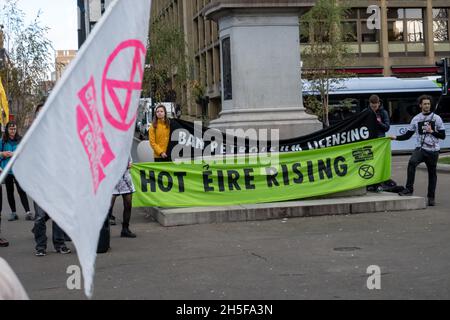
[261,82]
[371,203]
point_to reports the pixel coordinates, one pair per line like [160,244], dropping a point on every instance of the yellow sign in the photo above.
[4,109]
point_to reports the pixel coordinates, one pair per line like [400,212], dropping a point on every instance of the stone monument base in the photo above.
[370,203]
[290,122]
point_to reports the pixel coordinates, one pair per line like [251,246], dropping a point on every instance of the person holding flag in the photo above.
[10,286]
[9,143]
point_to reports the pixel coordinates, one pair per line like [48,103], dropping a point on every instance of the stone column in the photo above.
[260,56]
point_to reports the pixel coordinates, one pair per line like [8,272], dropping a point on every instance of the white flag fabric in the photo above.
[78,147]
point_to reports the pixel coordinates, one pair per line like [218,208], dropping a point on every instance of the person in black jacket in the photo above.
[382,126]
[383,122]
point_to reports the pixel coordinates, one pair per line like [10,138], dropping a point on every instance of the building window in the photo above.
[367,35]
[405,25]
[361,40]
[350,26]
[440,24]
[350,31]
[355,27]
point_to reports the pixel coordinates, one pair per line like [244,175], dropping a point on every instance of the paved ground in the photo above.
[305,258]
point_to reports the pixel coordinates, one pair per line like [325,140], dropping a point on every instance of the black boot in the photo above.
[126,233]
[4,242]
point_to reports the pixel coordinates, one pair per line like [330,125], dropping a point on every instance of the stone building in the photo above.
[408,38]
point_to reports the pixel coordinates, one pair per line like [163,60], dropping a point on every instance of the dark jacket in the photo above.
[383,122]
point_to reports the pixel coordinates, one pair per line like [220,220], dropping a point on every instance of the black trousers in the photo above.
[430,158]
[9,182]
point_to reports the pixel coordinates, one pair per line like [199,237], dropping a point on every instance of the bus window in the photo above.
[402,111]
[342,109]
[444,109]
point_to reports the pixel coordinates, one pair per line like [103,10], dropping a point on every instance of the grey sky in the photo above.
[59,15]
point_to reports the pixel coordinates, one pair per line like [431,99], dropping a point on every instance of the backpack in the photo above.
[391,186]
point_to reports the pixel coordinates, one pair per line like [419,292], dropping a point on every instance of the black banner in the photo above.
[191,140]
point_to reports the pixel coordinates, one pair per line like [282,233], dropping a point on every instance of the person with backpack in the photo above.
[429,128]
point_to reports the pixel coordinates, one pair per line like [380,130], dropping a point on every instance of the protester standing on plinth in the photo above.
[159,134]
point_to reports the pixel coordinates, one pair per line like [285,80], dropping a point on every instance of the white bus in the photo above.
[399,99]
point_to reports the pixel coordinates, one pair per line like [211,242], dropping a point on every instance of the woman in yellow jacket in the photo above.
[159,134]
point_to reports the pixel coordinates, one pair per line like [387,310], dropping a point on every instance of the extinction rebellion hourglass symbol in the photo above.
[130,84]
[119,86]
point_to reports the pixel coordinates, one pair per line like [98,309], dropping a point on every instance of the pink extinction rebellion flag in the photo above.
[78,147]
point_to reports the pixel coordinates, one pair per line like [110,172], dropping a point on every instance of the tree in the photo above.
[326,54]
[167,74]
[28,63]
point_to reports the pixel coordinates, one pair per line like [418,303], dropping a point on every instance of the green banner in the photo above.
[289,176]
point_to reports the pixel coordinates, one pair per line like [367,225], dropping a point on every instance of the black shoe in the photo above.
[4,243]
[431,202]
[126,233]
[405,192]
[13,217]
[29,216]
[40,253]
[63,250]
[112,221]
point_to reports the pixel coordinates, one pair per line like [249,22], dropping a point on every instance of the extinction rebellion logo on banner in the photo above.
[366,172]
